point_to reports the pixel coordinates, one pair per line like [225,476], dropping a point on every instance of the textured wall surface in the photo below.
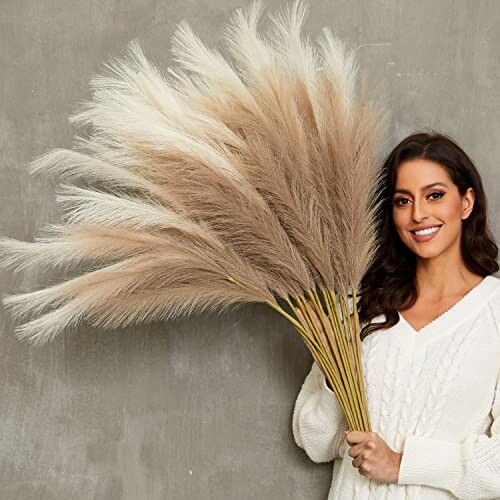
[199,408]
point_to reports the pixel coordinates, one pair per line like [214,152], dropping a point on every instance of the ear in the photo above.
[467,203]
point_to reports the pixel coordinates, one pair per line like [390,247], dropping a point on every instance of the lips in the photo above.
[427,227]
[422,238]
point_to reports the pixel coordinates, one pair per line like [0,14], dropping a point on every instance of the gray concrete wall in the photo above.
[198,408]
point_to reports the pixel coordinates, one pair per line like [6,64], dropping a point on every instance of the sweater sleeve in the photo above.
[469,469]
[318,420]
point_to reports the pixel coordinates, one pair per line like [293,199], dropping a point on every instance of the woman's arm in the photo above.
[469,469]
[318,421]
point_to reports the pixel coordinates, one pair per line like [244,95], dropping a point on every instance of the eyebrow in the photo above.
[425,187]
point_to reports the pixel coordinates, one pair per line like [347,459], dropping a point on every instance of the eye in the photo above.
[438,193]
[398,200]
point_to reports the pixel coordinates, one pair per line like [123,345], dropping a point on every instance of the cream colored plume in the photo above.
[233,177]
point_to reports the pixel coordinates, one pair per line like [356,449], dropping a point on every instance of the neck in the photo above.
[443,277]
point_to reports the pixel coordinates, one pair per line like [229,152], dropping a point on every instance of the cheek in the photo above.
[454,211]
[450,213]
[399,219]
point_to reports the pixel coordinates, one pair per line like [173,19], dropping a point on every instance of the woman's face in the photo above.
[425,197]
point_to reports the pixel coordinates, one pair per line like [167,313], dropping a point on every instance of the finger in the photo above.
[355,437]
[363,460]
[359,460]
[357,449]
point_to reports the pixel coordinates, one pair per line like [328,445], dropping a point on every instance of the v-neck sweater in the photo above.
[433,395]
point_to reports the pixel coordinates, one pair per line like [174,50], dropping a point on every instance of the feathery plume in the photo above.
[225,180]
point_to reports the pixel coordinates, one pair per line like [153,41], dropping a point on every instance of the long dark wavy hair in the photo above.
[389,284]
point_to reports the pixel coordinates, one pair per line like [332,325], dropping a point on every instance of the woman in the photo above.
[430,313]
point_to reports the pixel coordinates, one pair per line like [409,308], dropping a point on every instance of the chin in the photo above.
[427,253]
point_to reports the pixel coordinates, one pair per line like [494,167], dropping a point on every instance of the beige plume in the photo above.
[230,178]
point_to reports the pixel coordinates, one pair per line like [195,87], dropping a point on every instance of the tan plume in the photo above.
[229,178]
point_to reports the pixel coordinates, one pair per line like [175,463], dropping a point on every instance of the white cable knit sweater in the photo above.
[433,395]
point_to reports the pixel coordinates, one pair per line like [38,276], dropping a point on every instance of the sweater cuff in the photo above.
[432,462]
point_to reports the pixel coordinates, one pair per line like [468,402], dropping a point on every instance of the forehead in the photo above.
[417,173]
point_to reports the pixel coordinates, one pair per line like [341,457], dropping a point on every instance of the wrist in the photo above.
[397,463]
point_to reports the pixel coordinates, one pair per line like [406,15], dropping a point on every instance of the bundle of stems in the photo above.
[228,180]
[334,341]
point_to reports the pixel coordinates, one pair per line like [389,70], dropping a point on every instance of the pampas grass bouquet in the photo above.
[235,176]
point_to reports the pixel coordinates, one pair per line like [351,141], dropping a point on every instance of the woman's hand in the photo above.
[372,456]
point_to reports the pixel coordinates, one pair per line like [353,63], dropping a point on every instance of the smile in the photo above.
[425,234]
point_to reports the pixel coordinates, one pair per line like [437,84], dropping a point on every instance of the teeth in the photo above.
[427,231]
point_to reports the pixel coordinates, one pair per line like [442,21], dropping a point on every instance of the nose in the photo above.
[419,212]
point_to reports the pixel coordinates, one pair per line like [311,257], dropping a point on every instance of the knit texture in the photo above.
[433,394]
